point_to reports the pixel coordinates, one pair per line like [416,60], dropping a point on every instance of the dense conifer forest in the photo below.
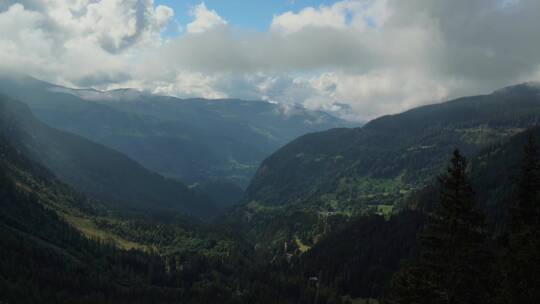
[444,254]
[270,152]
[465,230]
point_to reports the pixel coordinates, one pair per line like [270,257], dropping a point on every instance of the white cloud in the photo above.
[357,58]
[82,42]
[382,91]
[24,30]
[325,17]
[163,15]
[188,84]
[205,19]
[340,15]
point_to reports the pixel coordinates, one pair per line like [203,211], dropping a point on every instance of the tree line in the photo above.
[460,261]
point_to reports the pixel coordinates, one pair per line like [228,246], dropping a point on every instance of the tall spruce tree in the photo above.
[522,214]
[452,266]
[521,265]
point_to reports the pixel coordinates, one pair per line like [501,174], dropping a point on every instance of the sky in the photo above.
[246,14]
[357,59]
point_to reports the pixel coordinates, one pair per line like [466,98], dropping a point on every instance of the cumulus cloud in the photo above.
[77,41]
[356,58]
[205,19]
[341,15]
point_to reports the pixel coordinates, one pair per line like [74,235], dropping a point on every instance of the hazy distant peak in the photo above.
[531,87]
[96,95]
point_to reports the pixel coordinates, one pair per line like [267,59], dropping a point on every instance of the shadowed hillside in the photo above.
[97,170]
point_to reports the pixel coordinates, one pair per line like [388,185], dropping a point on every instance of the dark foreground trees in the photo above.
[44,260]
[453,265]
[520,265]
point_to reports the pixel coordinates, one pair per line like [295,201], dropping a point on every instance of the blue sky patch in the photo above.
[247,14]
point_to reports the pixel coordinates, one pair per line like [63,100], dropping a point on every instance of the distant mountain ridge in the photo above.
[59,246]
[193,140]
[322,179]
[97,170]
[96,95]
[394,152]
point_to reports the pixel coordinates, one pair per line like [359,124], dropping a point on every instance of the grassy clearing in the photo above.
[256,206]
[90,230]
[385,210]
[301,246]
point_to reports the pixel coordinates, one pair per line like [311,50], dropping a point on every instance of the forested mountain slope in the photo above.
[322,179]
[46,260]
[97,170]
[49,254]
[383,160]
[363,267]
[194,140]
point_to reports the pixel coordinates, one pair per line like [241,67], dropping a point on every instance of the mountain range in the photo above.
[331,176]
[393,154]
[330,216]
[96,170]
[215,144]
